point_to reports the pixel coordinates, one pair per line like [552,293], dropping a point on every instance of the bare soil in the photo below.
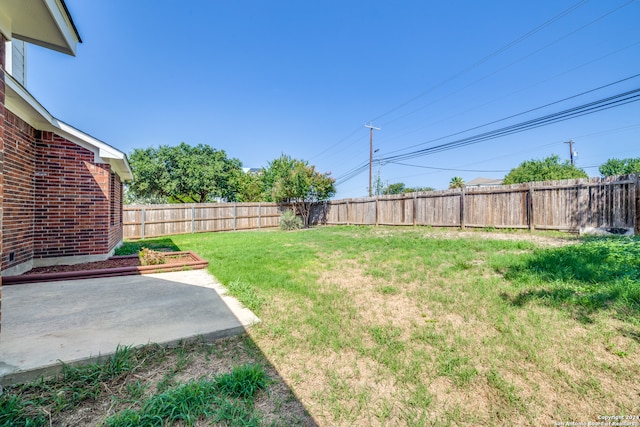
[277,406]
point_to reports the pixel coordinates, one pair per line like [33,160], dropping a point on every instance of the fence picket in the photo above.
[569,205]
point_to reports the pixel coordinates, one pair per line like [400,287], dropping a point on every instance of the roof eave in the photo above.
[45,23]
[23,104]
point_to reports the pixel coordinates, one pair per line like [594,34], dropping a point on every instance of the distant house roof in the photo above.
[483,182]
[45,23]
[252,170]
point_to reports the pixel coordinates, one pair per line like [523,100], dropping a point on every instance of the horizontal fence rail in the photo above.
[568,205]
[140,222]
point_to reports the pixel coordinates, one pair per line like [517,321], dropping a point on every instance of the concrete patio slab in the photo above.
[77,321]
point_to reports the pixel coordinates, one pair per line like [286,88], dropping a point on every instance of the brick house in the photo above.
[60,188]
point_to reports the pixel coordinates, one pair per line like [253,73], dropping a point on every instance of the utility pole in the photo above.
[570,142]
[371,129]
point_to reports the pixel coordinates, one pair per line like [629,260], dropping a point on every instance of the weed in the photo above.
[598,274]
[150,257]
[389,290]
[186,403]
[15,412]
[290,221]
[243,381]
[164,244]
[505,389]
[456,367]
[246,294]
[135,390]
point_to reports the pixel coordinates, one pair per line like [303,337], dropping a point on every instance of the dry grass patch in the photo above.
[417,326]
[398,337]
[156,371]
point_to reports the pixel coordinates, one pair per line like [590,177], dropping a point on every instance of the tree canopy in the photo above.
[184,174]
[417,189]
[456,182]
[399,188]
[288,180]
[547,169]
[620,167]
[249,187]
[395,188]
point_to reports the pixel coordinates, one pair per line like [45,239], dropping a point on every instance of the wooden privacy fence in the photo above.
[569,205]
[140,222]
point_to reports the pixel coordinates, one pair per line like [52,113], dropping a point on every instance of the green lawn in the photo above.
[413,326]
[419,326]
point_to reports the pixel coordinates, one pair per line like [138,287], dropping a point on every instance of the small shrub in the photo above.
[289,221]
[150,257]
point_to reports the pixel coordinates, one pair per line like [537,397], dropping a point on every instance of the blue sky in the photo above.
[261,78]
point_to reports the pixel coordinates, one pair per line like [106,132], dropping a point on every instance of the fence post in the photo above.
[142,224]
[530,208]
[348,212]
[415,208]
[235,216]
[462,194]
[259,219]
[193,219]
[377,223]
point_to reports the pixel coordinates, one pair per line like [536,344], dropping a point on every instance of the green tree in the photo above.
[131,199]
[417,189]
[620,167]
[249,186]
[396,188]
[183,174]
[378,186]
[548,169]
[294,181]
[456,182]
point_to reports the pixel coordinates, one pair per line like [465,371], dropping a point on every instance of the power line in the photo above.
[584,109]
[506,66]
[571,70]
[567,114]
[520,114]
[447,169]
[486,58]
[356,130]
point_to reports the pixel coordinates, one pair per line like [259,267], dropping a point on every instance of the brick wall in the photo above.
[115,211]
[2,110]
[72,193]
[58,202]
[19,191]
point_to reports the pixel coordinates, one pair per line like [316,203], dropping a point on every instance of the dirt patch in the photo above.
[538,238]
[276,406]
[416,340]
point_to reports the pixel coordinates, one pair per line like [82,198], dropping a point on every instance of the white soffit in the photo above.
[45,23]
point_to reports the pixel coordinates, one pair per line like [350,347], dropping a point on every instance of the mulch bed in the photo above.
[115,262]
[114,266]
